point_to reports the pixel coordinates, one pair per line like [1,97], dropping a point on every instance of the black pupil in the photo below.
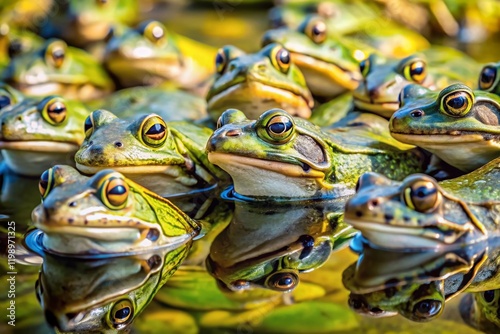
[280,127]
[428,307]
[219,59]
[58,108]
[88,124]
[156,129]
[362,66]
[284,56]
[4,101]
[58,54]
[285,281]
[118,190]
[122,313]
[489,296]
[317,30]
[15,48]
[457,102]
[423,192]
[44,180]
[417,70]
[488,75]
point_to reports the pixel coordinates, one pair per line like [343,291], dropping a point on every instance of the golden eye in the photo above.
[114,192]
[316,31]
[422,196]
[280,128]
[487,77]
[155,32]
[122,313]
[426,309]
[54,110]
[153,131]
[280,58]
[457,104]
[220,61]
[88,126]
[416,71]
[364,67]
[56,53]
[46,182]
[282,281]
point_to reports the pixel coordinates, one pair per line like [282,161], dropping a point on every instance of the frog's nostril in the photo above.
[233,133]
[118,144]
[96,149]
[417,113]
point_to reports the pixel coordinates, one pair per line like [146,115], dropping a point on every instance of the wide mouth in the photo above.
[39,146]
[148,169]
[451,138]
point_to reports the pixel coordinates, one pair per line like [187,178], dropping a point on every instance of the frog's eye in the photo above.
[102,2]
[56,53]
[489,296]
[316,31]
[426,309]
[422,196]
[364,67]
[282,281]
[487,77]
[4,101]
[280,128]
[114,192]
[220,61]
[457,104]
[154,131]
[15,48]
[155,32]
[46,182]
[122,313]
[88,126]
[54,111]
[280,57]
[416,71]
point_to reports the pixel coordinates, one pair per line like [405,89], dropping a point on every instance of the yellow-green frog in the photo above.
[278,155]
[420,213]
[56,68]
[105,213]
[258,81]
[14,42]
[167,158]
[384,78]
[37,133]
[489,78]
[457,124]
[481,310]
[328,65]
[151,55]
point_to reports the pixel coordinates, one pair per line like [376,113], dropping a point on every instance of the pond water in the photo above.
[254,252]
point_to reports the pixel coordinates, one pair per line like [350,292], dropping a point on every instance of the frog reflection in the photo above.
[102,295]
[481,310]
[267,247]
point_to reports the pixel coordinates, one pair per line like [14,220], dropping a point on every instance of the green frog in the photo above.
[458,125]
[258,81]
[384,78]
[481,310]
[489,78]
[105,213]
[150,55]
[279,155]
[83,22]
[56,68]
[327,63]
[37,133]
[104,295]
[167,158]
[425,214]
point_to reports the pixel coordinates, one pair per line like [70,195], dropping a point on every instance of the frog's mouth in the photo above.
[385,108]
[39,146]
[66,87]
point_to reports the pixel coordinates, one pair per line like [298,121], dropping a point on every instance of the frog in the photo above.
[167,158]
[105,214]
[463,124]
[56,68]
[258,81]
[9,96]
[425,214]
[279,156]
[151,54]
[488,78]
[384,78]
[480,310]
[14,42]
[81,23]
[37,133]
[104,295]
[328,64]
[313,232]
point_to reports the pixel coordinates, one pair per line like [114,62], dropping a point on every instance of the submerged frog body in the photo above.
[105,213]
[281,156]
[420,213]
[37,133]
[259,81]
[458,125]
[167,158]
[56,68]
[384,78]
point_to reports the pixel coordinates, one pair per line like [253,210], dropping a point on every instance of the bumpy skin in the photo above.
[328,65]
[56,68]
[282,156]
[481,310]
[384,78]
[105,213]
[259,81]
[38,132]
[174,153]
[459,125]
[419,213]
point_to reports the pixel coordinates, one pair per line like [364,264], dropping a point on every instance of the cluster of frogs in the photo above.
[331,128]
